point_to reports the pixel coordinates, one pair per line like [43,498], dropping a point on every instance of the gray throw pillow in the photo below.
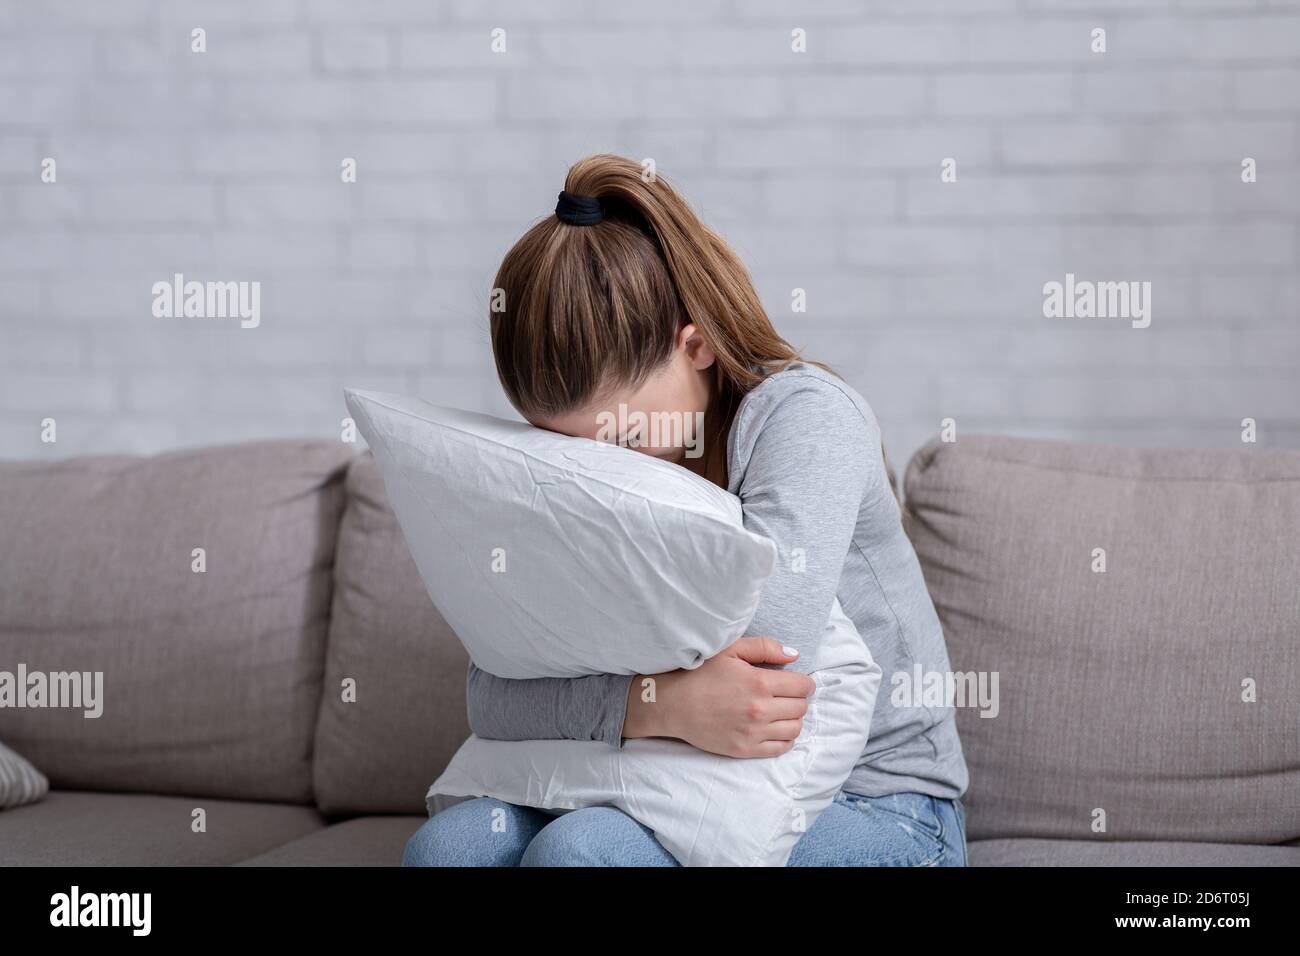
[20,782]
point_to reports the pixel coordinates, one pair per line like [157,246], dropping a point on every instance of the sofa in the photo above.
[278,690]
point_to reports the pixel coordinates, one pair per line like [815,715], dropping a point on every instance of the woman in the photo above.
[625,302]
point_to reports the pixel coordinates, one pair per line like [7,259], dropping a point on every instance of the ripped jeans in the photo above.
[901,829]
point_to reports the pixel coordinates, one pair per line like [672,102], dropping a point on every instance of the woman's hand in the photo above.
[727,705]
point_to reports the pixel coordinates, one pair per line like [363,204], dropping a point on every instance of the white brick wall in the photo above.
[822,168]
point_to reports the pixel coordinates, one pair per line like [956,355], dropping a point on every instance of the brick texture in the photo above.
[823,169]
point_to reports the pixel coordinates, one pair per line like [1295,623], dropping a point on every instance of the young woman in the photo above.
[624,297]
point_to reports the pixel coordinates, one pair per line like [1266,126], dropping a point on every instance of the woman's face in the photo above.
[664,417]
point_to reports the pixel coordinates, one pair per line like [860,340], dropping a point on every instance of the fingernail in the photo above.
[790,651]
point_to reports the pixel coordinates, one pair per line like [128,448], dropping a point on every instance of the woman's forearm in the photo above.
[731,704]
[547,708]
[643,714]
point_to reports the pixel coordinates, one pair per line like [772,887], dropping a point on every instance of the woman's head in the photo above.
[646,308]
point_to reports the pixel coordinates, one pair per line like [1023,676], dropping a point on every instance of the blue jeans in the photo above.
[902,829]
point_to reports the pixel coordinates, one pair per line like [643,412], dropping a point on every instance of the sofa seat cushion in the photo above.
[73,828]
[362,841]
[1127,853]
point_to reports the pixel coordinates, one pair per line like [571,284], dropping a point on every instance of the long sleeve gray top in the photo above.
[804,457]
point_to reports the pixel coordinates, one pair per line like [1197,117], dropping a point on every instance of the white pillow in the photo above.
[558,556]
[553,556]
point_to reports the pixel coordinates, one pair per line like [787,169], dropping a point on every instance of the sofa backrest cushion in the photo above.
[1160,691]
[393,710]
[211,660]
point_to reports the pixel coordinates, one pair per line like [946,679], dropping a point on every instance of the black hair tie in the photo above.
[579,210]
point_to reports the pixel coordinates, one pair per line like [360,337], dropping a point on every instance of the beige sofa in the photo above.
[278,690]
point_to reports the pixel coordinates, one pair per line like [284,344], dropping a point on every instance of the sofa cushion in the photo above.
[379,752]
[362,841]
[210,681]
[20,782]
[1119,853]
[1124,691]
[69,828]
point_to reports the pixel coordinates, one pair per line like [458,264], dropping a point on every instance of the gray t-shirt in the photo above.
[804,458]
